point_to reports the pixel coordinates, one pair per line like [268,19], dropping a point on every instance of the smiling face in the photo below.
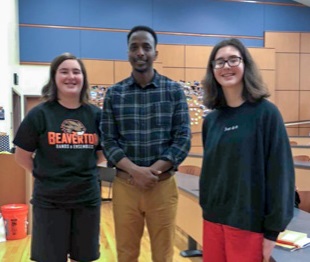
[228,76]
[141,51]
[69,79]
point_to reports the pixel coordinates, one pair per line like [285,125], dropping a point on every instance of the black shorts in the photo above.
[61,233]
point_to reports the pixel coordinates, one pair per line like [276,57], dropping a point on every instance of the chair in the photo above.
[189,169]
[293,143]
[304,200]
[304,158]
[107,174]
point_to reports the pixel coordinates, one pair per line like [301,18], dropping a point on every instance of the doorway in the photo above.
[16,111]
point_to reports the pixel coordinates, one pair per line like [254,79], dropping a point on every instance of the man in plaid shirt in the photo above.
[146,135]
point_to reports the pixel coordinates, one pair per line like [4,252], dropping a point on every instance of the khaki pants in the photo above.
[132,207]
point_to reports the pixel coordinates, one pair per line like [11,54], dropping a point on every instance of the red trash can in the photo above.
[15,220]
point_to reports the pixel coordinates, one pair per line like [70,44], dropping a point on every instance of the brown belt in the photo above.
[128,178]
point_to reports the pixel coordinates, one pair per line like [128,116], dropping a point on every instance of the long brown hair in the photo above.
[49,91]
[254,87]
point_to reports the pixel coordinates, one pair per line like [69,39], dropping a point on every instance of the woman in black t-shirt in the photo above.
[59,143]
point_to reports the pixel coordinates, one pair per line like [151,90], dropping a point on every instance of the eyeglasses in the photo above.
[231,61]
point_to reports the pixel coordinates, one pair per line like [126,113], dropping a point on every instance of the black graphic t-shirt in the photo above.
[65,142]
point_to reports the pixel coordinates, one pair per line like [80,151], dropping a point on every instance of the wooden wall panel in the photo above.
[283,42]
[305,71]
[197,56]
[171,55]
[288,104]
[12,181]
[292,73]
[194,74]
[304,200]
[301,151]
[196,139]
[292,131]
[304,105]
[287,77]
[283,68]
[301,140]
[158,66]
[122,70]
[302,177]
[305,43]
[100,72]
[304,131]
[175,74]
[196,127]
[265,58]
[269,77]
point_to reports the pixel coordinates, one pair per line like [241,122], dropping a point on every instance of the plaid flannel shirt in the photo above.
[145,124]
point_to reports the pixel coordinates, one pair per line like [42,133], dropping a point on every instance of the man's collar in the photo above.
[154,82]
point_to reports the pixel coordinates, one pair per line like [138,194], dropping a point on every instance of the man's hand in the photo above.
[144,177]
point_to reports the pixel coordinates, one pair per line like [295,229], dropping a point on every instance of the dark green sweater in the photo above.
[247,178]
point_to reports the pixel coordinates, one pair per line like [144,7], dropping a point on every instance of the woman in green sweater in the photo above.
[247,179]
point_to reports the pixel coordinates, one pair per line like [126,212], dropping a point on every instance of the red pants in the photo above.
[223,243]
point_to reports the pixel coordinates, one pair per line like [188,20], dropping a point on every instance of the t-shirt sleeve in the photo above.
[27,135]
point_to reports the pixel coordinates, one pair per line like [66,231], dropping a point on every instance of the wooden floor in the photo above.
[19,250]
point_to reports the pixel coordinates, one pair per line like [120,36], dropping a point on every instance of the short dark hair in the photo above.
[142,28]
[254,88]
[49,91]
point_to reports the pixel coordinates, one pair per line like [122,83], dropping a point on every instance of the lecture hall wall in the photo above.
[277,33]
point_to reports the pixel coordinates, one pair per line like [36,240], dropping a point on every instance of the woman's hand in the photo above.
[268,246]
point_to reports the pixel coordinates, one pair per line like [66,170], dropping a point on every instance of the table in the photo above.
[189,219]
